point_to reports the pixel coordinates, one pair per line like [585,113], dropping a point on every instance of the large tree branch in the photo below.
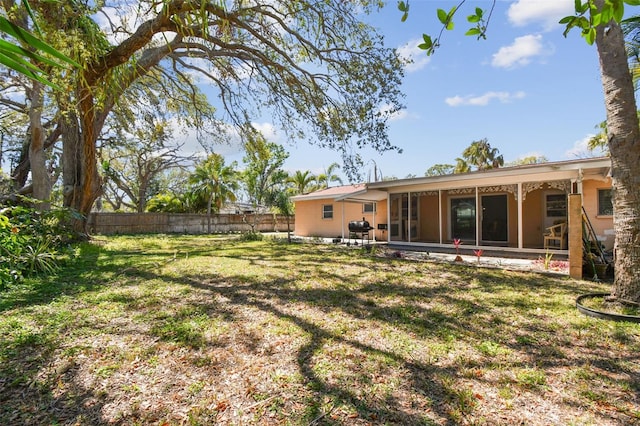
[121,53]
[13,105]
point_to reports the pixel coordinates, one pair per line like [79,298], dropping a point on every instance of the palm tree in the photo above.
[631,30]
[283,204]
[325,179]
[302,181]
[481,155]
[216,181]
[461,166]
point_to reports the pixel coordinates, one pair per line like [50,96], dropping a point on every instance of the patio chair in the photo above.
[556,233]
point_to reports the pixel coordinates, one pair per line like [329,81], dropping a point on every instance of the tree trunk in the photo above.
[142,197]
[20,173]
[71,161]
[209,213]
[91,181]
[37,158]
[81,181]
[624,145]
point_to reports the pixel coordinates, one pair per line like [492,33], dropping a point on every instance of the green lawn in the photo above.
[206,330]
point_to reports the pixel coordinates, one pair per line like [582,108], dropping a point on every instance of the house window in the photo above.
[605,202]
[368,208]
[327,211]
[556,205]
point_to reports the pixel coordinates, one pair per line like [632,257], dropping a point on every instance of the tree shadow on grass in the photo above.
[394,303]
[533,338]
[424,378]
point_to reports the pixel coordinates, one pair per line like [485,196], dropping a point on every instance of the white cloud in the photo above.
[394,116]
[414,58]
[399,115]
[545,12]
[269,131]
[483,100]
[519,53]
[581,149]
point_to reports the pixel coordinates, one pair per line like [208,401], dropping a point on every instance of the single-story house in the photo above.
[519,209]
[326,213]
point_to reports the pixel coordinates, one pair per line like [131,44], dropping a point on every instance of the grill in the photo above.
[360,227]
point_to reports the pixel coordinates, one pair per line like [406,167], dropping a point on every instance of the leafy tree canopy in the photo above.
[439,170]
[263,175]
[321,73]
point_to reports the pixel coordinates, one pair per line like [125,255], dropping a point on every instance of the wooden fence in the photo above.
[183,223]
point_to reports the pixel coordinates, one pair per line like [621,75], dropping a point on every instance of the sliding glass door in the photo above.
[494,218]
[463,218]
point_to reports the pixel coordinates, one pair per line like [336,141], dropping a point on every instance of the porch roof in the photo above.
[354,193]
[592,168]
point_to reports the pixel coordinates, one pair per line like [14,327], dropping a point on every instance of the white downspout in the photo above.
[342,221]
[375,211]
[579,180]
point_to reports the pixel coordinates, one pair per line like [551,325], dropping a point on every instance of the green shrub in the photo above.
[251,236]
[32,242]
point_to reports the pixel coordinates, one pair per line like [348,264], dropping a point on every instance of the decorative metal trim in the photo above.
[562,185]
[461,191]
[511,189]
[528,187]
[426,193]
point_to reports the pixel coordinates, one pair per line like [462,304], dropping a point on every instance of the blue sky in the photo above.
[527,89]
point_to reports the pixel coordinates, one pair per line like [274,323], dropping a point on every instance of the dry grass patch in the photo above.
[202,330]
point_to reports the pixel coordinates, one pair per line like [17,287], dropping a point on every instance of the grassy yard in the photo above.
[176,330]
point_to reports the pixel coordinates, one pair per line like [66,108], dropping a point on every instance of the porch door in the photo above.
[463,218]
[494,218]
[395,233]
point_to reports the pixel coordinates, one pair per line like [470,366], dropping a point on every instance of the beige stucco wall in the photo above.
[309,221]
[533,219]
[429,218]
[603,225]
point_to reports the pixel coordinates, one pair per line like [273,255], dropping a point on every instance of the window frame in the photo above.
[556,205]
[602,212]
[364,209]
[326,214]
